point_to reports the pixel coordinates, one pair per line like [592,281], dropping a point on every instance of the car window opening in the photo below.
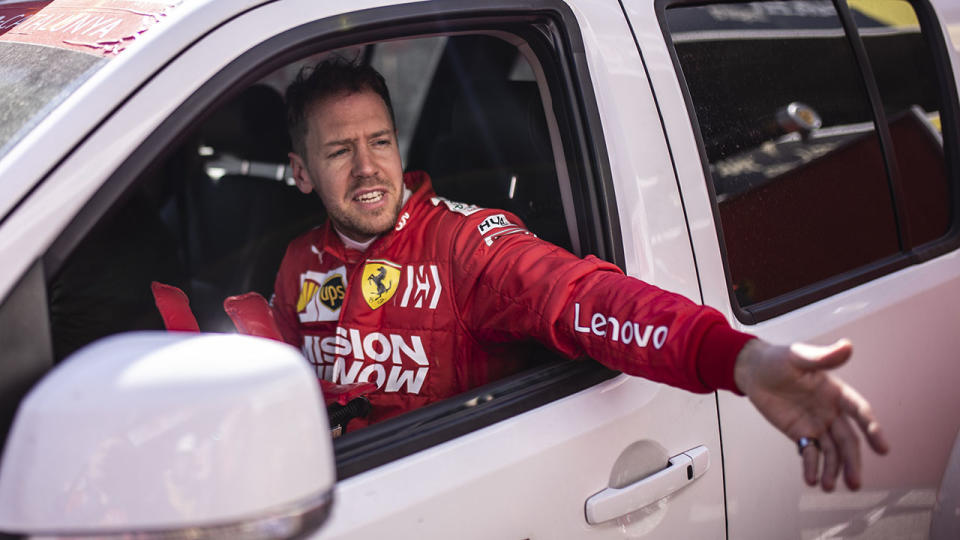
[215,217]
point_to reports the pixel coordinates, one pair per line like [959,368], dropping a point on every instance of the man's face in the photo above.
[353,163]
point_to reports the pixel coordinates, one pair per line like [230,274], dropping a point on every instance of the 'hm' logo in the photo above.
[423,285]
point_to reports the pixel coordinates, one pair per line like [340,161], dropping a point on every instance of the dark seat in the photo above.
[103,287]
[497,154]
[238,225]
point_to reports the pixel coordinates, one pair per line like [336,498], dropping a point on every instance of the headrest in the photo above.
[504,124]
[252,126]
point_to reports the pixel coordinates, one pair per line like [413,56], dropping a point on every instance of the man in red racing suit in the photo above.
[428,297]
[426,310]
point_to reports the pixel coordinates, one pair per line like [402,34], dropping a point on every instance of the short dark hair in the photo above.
[328,78]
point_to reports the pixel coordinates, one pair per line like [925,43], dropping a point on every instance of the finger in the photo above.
[815,357]
[811,462]
[831,463]
[848,445]
[858,408]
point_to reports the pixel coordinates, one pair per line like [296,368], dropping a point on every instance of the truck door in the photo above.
[816,148]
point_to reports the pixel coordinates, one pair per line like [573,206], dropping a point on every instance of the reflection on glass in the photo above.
[903,66]
[788,130]
[408,67]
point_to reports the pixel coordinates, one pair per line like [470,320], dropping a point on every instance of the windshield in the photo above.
[49,48]
[33,80]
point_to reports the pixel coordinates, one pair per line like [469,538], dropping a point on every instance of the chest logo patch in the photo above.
[380,279]
[454,206]
[321,295]
[331,292]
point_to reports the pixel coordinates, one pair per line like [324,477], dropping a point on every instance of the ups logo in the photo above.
[331,292]
[321,295]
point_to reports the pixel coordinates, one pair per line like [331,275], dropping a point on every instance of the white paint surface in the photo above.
[165,431]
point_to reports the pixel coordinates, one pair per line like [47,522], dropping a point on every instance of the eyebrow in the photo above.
[379,134]
[342,142]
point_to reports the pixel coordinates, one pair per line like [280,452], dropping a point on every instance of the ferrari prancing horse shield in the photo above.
[380,280]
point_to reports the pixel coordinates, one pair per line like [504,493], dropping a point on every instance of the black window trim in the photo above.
[909,255]
[27,347]
[880,123]
[551,29]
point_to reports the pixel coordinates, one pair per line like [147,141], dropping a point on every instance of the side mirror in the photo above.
[171,435]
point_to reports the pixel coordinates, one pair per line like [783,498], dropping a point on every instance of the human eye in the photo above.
[337,153]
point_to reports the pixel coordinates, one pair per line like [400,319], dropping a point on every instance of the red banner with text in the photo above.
[103,27]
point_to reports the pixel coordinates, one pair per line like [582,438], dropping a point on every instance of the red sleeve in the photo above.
[284,300]
[510,285]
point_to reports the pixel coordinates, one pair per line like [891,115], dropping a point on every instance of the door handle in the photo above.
[682,469]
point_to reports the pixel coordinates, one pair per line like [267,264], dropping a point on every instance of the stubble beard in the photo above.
[353,224]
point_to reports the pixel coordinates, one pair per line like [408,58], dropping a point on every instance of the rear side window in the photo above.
[821,131]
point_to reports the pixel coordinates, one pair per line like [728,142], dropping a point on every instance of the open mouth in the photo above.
[369,197]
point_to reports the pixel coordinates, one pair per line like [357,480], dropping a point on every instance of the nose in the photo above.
[363,164]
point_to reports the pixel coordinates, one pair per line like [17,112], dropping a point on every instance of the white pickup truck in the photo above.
[794,164]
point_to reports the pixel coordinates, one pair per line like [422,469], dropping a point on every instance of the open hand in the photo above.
[792,388]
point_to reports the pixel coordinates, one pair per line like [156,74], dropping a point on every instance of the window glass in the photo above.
[794,156]
[903,66]
[33,80]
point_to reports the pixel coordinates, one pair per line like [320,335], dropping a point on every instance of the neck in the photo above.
[350,243]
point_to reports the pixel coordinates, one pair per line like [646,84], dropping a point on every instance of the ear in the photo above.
[300,173]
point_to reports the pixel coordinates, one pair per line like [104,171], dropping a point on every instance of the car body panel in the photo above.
[901,369]
[949,14]
[903,326]
[482,485]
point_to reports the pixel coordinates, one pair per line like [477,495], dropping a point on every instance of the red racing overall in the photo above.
[431,308]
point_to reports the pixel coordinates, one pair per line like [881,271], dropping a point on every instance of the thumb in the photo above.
[816,357]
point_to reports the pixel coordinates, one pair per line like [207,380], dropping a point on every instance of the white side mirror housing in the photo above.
[168,432]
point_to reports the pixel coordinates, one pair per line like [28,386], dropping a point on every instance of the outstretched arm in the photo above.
[793,389]
[515,286]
